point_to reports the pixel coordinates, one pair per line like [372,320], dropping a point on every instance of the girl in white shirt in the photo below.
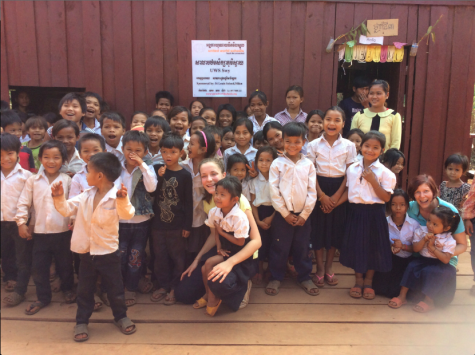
[366,246]
[243,132]
[238,167]
[331,155]
[67,132]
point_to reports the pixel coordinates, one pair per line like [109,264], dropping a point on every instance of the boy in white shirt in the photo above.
[96,239]
[112,129]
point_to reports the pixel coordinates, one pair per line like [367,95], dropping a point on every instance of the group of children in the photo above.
[85,184]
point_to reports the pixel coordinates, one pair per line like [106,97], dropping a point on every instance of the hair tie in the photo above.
[206,141]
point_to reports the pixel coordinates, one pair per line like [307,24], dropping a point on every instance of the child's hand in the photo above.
[263,225]
[57,189]
[397,243]
[218,228]
[223,252]
[369,176]
[268,220]
[122,193]
[291,219]
[300,221]
[364,100]
[468,227]
[185,234]
[327,204]
[396,250]
[136,159]
[252,171]
[24,232]
[71,224]
[162,170]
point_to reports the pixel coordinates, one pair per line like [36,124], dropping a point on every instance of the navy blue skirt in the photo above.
[266,235]
[366,243]
[328,229]
[197,238]
[388,284]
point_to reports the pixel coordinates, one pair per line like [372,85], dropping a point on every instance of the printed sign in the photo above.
[371,40]
[219,68]
[378,28]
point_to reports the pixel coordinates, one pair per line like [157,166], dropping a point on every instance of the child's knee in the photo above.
[135,258]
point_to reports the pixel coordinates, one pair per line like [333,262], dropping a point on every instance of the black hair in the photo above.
[192,102]
[139,113]
[157,121]
[136,136]
[95,95]
[381,138]
[92,137]
[295,129]
[108,164]
[244,122]
[204,109]
[337,109]
[172,140]
[38,121]
[396,193]
[448,217]
[54,144]
[245,108]
[177,110]
[361,82]
[9,117]
[266,149]
[232,185]
[227,130]
[51,118]
[10,143]
[258,137]
[383,83]
[197,118]
[4,105]
[164,95]
[214,130]
[113,116]
[229,108]
[105,106]
[62,124]
[391,156]
[235,159]
[315,112]
[260,95]
[241,114]
[209,144]
[296,88]
[355,131]
[457,159]
[271,125]
[73,96]
[157,110]
[23,116]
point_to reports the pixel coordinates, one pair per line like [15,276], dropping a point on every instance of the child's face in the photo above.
[333,123]
[179,123]
[9,158]
[435,225]
[51,160]
[377,96]
[315,125]
[132,148]
[225,118]
[293,145]
[371,149]
[197,126]
[164,105]
[23,99]
[37,133]
[210,174]
[93,177]
[258,107]
[68,137]
[112,132]
[223,199]
[274,137]
[238,170]
[228,141]
[396,169]
[293,100]
[257,144]
[14,129]
[138,120]
[155,134]
[242,136]
[398,207]
[88,149]
[71,111]
[171,155]
[159,114]
[454,171]
[217,139]
[93,107]
[195,150]
[210,117]
[356,139]
[248,111]
[264,162]
[196,108]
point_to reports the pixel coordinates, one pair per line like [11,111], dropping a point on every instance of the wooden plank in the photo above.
[91,17]
[58,43]
[75,35]
[363,12]
[250,29]
[107,53]
[329,62]
[3,59]
[138,55]
[297,47]
[467,147]
[235,33]
[12,42]
[412,16]
[43,50]
[401,13]
[202,33]
[170,60]
[266,15]
[383,11]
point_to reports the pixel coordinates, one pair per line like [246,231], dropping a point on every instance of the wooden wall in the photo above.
[128,50]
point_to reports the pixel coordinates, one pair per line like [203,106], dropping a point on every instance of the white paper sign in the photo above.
[219,68]
[371,40]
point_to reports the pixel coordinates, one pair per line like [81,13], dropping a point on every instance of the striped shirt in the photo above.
[284,117]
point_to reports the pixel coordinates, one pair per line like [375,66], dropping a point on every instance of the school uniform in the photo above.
[250,154]
[246,188]
[284,117]
[154,158]
[366,240]
[292,190]
[96,129]
[74,165]
[330,162]
[116,151]
[256,126]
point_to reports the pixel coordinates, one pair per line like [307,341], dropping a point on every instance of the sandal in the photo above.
[422,307]
[307,286]
[69,297]
[368,293]
[396,303]
[56,285]
[145,286]
[158,295]
[31,308]
[331,279]
[10,286]
[201,303]
[319,279]
[257,279]
[355,291]
[125,323]
[273,285]
[80,329]
[97,303]
[245,300]
[169,301]
[211,311]
[14,299]
[130,296]
[105,299]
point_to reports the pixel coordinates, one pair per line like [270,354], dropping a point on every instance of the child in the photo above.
[155,127]
[23,101]
[401,233]
[248,110]
[218,137]
[314,123]
[366,246]
[140,181]
[171,226]
[197,124]
[138,119]
[67,132]
[228,139]
[112,129]
[179,119]
[226,115]
[242,131]
[51,118]
[262,204]
[394,160]
[36,127]
[241,114]
[51,235]
[454,190]
[431,274]
[231,234]
[258,140]
[13,246]
[468,215]
[158,113]
[258,103]
[72,107]
[238,167]
[95,238]
[209,115]
[90,121]
[195,107]
[292,180]
[293,113]
[164,101]
[357,102]
[273,135]
[356,136]
[332,155]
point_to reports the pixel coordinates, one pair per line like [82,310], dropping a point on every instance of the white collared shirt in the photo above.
[250,154]
[199,215]
[95,231]
[149,180]
[96,129]
[444,242]
[154,158]
[79,183]
[12,186]
[74,165]
[116,151]
[331,161]
[360,190]
[293,186]
[246,188]
[234,222]
[260,188]
[37,193]
[256,125]
[405,235]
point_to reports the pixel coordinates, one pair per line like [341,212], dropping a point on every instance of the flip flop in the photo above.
[355,291]
[130,296]
[10,286]
[81,329]
[161,295]
[273,285]
[170,302]
[320,282]
[307,286]
[368,293]
[331,280]
[145,286]
[124,323]
[423,307]
[13,299]
[398,303]
[97,303]
[201,303]
[39,305]
[69,297]
[245,300]
[211,311]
